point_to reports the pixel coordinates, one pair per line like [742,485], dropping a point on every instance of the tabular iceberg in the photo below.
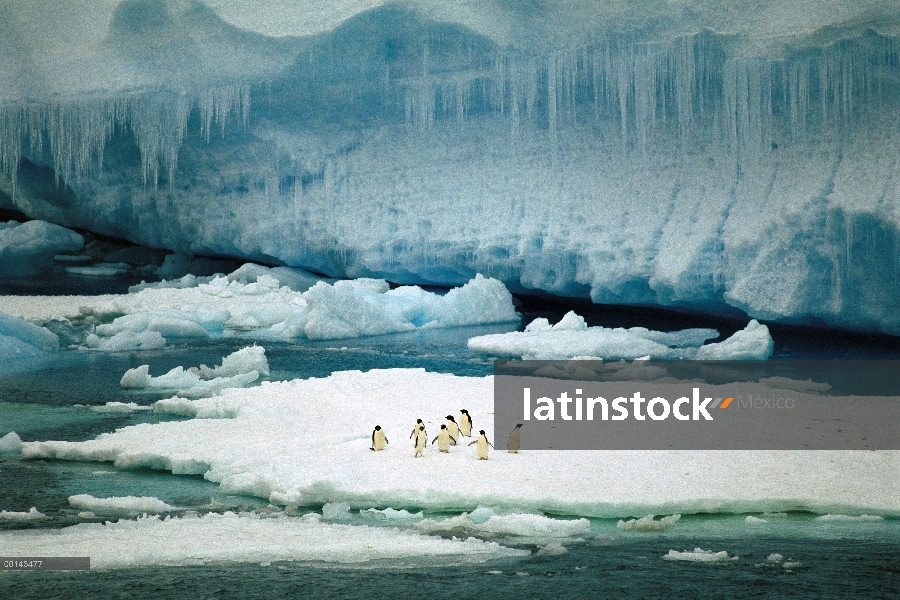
[693,153]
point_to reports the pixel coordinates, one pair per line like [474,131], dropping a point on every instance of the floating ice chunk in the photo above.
[775,557]
[33,335]
[151,540]
[100,270]
[389,514]
[751,520]
[648,524]
[126,340]
[574,339]
[515,524]
[28,248]
[570,322]
[539,324]
[238,369]
[552,548]
[791,564]
[119,407]
[847,518]
[120,506]
[10,443]
[31,515]
[296,279]
[336,511]
[751,343]
[245,360]
[699,555]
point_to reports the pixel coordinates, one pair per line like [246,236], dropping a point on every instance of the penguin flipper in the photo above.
[475,442]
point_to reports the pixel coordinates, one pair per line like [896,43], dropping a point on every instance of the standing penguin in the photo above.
[443,439]
[452,429]
[482,448]
[465,423]
[419,423]
[421,441]
[379,440]
[512,446]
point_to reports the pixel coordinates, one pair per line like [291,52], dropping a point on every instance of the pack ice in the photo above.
[264,308]
[708,154]
[306,443]
[572,338]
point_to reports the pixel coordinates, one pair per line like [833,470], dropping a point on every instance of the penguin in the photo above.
[452,429]
[443,439]
[379,440]
[482,448]
[416,429]
[421,441]
[465,423]
[512,446]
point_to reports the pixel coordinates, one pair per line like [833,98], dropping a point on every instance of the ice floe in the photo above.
[699,555]
[571,337]
[153,541]
[239,369]
[254,301]
[30,515]
[306,443]
[120,506]
[648,524]
[10,443]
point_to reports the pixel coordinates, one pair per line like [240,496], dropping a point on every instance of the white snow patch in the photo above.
[571,337]
[151,541]
[485,521]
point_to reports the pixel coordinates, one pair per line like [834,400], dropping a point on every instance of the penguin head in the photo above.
[450,418]
[519,425]
[463,411]
[481,432]
[443,427]
[418,420]
[378,428]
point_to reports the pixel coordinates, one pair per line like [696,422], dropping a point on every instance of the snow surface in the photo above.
[571,338]
[153,541]
[238,369]
[306,443]
[28,248]
[264,308]
[120,506]
[715,155]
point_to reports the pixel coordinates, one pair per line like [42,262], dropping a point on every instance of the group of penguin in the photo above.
[448,436]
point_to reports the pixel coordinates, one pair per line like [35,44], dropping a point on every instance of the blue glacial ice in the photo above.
[696,154]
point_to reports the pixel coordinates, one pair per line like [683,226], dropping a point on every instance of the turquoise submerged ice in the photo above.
[707,154]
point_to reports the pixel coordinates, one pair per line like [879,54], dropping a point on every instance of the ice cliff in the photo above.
[698,153]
